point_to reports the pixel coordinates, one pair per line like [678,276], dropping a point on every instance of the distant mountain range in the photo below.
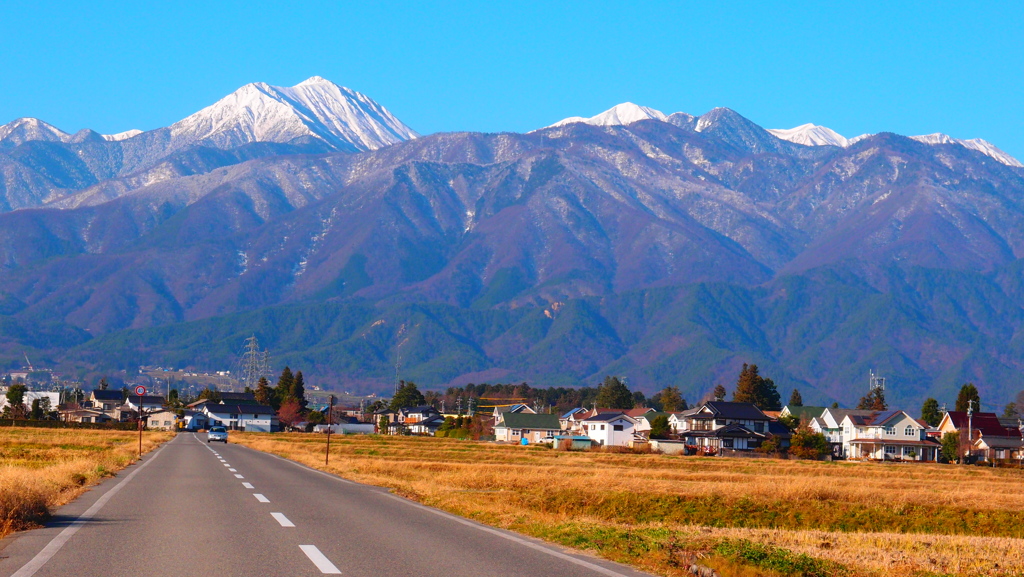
[666,248]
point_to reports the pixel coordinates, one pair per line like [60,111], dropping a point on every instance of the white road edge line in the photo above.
[57,542]
[248,485]
[261,498]
[320,560]
[280,518]
[521,541]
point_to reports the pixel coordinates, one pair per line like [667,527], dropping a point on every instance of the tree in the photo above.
[930,412]
[968,393]
[283,390]
[1011,412]
[795,400]
[290,413]
[791,422]
[659,427]
[382,424]
[752,388]
[264,394]
[37,411]
[407,396]
[951,447]
[873,401]
[210,394]
[173,399]
[806,444]
[16,395]
[299,391]
[719,393]
[613,394]
[672,400]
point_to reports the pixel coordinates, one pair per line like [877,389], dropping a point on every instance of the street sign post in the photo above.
[140,390]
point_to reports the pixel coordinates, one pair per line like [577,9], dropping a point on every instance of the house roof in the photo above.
[530,421]
[606,417]
[1000,442]
[239,398]
[421,410]
[654,415]
[107,395]
[730,410]
[221,409]
[986,424]
[573,412]
[840,414]
[146,400]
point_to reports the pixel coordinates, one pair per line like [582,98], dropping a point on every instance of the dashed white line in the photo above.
[320,560]
[226,465]
[248,485]
[233,470]
[261,498]
[280,518]
[237,476]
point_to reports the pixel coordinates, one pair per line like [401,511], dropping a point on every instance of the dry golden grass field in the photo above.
[743,517]
[41,469]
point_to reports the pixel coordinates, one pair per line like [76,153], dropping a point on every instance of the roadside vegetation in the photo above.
[42,469]
[664,513]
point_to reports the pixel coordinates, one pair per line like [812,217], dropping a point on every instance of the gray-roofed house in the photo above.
[513,427]
[259,418]
[728,425]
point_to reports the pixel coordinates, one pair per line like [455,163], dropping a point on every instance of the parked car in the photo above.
[217,434]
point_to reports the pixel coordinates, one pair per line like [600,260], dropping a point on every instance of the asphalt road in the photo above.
[192,508]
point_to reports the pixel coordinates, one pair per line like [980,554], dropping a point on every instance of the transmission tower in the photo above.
[875,381]
[254,363]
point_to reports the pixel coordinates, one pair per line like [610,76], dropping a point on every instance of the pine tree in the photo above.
[283,390]
[299,391]
[613,394]
[968,392]
[930,412]
[719,393]
[672,400]
[795,400]
[873,401]
[264,394]
[1011,412]
[752,388]
[407,396]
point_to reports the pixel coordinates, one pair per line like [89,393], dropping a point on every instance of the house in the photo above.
[194,420]
[728,425]
[830,424]
[514,427]
[643,422]
[259,418]
[46,399]
[412,415]
[574,419]
[106,400]
[887,435]
[161,420]
[802,414]
[610,429]
[991,437]
[81,415]
[516,408]
[426,426]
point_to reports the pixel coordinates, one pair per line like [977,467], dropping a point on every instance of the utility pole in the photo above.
[970,425]
[330,423]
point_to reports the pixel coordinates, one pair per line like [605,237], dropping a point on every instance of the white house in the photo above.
[610,429]
[259,418]
[46,399]
[161,420]
[830,424]
[887,435]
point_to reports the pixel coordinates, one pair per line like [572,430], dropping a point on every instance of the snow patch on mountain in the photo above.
[122,135]
[315,108]
[983,146]
[618,115]
[811,135]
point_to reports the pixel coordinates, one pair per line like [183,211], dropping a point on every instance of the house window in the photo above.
[890,430]
[602,427]
[727,443]
[526,431]
[758,427]
[516,432]
[909,431]
[617,427]
[890,450]
[720,422]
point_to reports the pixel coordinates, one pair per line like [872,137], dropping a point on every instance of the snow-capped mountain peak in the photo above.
[983,146]
[25,129]
[618,115]
[315,108]
[811,135]
[122,135]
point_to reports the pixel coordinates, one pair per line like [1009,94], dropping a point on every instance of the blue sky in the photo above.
[905,67]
